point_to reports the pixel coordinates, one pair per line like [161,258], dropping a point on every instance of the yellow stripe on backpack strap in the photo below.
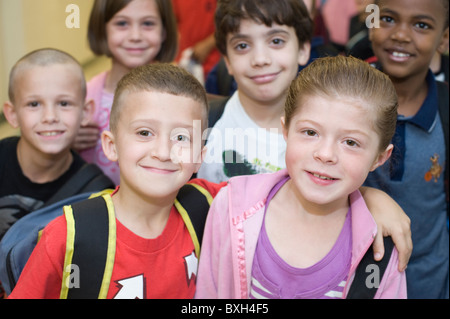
[69,251]
[110,256]
[187,221]
[202,190]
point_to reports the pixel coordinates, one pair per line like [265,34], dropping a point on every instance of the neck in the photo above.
[309,209]
[266,115]
[114,75]
[42,169]
[143,216]
[411,93]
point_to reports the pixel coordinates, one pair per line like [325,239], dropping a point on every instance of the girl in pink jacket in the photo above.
[301,232]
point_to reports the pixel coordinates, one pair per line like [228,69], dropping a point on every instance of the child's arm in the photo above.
[391,221]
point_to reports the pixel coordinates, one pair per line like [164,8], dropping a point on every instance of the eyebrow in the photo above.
[417,17]
[272,32]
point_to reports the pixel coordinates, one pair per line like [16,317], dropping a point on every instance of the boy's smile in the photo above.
[409,34]
[155,142]
[264,60]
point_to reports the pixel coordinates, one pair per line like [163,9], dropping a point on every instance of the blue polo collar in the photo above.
[425,118]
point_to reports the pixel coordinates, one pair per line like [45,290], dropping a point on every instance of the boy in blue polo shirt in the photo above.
[410,33]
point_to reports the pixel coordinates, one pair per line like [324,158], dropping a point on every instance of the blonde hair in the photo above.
[351,78]
[44,57]
[158,77]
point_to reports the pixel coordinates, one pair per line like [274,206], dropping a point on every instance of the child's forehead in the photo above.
[161,102]
[64,75]
[57,70]
[418,8]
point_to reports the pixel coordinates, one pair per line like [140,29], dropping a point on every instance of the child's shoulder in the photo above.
[210,187]
[9,144]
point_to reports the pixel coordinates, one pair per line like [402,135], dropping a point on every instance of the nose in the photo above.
[161,149]
[326,152]
[261,56]
[135,32]
[401,33]
[50,114]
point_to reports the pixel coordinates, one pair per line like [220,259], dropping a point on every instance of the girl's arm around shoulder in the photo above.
[42,276]
[391,221]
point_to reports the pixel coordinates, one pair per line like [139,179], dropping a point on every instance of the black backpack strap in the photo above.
[359,289]
[193,203]
[91,234]
[89,178]
[443,101]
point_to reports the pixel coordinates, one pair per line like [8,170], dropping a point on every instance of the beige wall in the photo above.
[26,25]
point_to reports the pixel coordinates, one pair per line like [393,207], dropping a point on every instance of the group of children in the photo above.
[298,231]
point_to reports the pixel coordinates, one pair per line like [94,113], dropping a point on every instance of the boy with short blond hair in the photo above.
[157,116]
[47,92]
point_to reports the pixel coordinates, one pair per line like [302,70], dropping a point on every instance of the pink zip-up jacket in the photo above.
[232,230]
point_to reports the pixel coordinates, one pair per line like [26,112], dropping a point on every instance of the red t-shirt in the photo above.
[195,19]
[164,267]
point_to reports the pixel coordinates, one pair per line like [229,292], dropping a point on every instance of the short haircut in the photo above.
[104,10]
[292,13]
[44,57]
[347,78]
[158,77]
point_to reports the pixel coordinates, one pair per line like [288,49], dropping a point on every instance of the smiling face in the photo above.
[331,147]
[264,60]
[410,33]
[157,142]
[135,34]
[48,108]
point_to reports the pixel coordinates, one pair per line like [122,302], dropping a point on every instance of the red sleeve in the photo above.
[212,188]
[42,275]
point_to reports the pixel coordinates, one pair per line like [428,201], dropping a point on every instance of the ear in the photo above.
[443,45]
[10,114]
[109,146]
[228,65]
[304,53]
[283,125]
[88,112]
[200,160]
[382,158]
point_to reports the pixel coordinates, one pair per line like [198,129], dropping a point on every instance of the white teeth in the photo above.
[400,54]
[323,177]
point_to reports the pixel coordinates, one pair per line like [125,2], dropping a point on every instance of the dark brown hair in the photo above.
[292,13]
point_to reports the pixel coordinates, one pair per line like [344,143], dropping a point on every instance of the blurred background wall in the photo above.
[27,25]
